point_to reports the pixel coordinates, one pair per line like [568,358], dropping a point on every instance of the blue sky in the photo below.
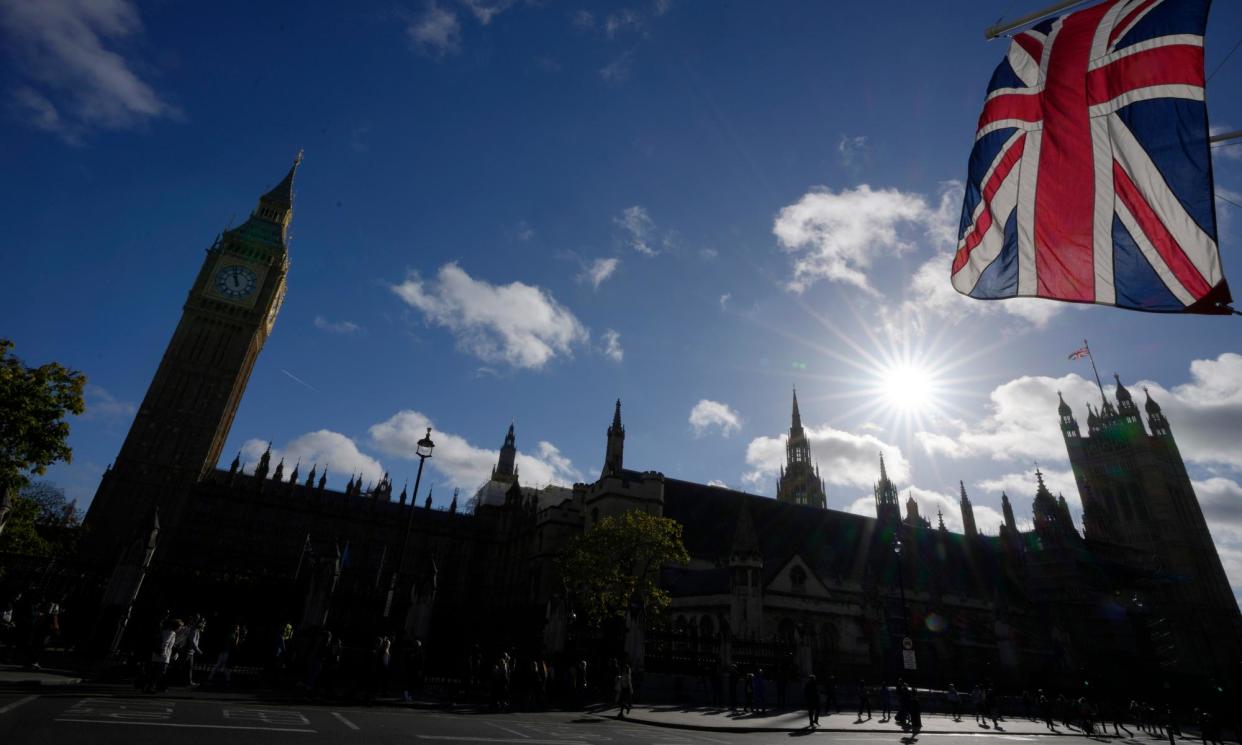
[523,211]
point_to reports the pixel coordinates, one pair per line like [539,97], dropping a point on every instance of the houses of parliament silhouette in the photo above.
[1139,594]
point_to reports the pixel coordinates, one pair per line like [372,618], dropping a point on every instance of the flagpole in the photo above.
[991,32]
[301,556]
[1224,136]
[1091,357]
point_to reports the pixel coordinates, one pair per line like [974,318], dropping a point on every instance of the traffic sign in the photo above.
[907,643]
[908,661]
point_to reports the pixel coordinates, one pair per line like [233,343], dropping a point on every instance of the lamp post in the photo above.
[423,451]
[901,585]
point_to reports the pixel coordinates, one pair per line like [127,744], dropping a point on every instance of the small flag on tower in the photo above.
[1090,180]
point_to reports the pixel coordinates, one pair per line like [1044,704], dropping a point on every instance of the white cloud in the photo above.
[719,484]
[845,459]
[836,236]
[485,10]
[710,415]
[1021,423]
[463,464]
[639,227]
[598,271]
[336,327]
[516,324]
[708,253]
[612,346]
[436,32]
[331,450]
[102,405]
[622,20]
[76,80]
[618,71]
[724,300]
[855,152]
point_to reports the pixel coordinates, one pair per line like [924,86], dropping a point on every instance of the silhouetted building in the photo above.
[1140,594]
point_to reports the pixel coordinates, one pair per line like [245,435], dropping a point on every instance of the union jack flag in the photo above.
[1091,179]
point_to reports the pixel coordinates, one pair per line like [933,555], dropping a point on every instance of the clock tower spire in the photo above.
[180,428]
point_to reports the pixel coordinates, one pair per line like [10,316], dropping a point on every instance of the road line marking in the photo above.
[10,707]
[345,721]
[528,741]
[510,731]
[190,726]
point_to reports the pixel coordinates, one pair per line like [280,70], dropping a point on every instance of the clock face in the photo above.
[236,281]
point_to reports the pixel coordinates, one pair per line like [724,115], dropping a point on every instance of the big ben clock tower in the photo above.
[180,429]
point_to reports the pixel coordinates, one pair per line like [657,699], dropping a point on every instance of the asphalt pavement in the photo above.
[66,717]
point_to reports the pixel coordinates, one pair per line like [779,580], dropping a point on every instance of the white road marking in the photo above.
[345,721]
[189,726]
[10,707]
[510,731]
[528,741]
[269,716]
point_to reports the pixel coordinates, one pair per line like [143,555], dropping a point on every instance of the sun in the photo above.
[908,387]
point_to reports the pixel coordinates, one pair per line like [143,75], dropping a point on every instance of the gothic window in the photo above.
[797,578]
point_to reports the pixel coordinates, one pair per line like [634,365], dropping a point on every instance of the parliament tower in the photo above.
[1137,495]
[799,481]
[180,428]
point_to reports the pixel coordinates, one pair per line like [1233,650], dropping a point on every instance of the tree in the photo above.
[41,522]
[617,564]
[34,402]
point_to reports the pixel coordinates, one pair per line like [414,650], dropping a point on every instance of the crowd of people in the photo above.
[28,626]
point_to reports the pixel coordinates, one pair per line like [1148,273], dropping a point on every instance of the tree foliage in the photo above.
[34,433]
[617,563]
[40,522]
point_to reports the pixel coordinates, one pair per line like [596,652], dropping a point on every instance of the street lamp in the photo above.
[423,451]
[901,585]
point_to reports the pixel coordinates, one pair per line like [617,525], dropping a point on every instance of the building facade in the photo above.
[1139,593]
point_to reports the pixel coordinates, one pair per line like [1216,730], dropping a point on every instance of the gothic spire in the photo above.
[281,195]
[797,417]
[1063,409]
[1122,393]
[968,513]
[745,539]
[616,417]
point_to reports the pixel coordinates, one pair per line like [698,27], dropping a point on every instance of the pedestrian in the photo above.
[990,706]
[976,699]
[1117,712]
[625,691]
[156,679]
[810,696]
[886,702]
[1171,723]
[830,695]
[955,703]
[414,661]
[748,693]
[864,700]
[186,645]
[1045,711]
[916,713]
[733,676]
[232,641]
[903,704]
[761,692]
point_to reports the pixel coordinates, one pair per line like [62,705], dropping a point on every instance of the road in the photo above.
[131,720]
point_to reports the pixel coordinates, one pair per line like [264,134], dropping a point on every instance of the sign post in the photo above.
[907,654]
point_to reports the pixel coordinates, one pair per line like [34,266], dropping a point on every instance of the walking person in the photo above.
[916,713]
[186,645]
[748,693]
[976,698]
[886,702]
[955,703]
[864,700]
[232,642]
[830,695]
[810,697]
[733,687]
[162,656]
[625,691]
[761,692]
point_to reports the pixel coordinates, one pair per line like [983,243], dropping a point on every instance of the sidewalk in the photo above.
[722,720]
[16,675]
